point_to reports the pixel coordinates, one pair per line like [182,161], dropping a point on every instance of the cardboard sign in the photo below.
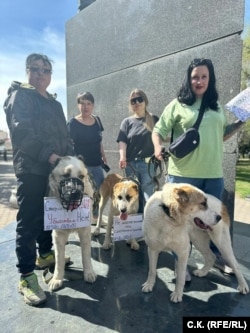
[56,217]
[128,229]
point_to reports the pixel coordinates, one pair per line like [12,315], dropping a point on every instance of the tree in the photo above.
[244,135]
[244,139]
[245,71]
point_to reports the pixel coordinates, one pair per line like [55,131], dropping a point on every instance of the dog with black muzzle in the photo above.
[69,181]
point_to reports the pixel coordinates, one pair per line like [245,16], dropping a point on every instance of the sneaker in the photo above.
[222,265]
[31,291]
[48,260]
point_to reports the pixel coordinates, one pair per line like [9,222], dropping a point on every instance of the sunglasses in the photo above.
[200,62]
[40,70]
[133,101]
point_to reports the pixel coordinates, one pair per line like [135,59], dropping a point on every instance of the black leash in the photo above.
[133,178]
[159,167]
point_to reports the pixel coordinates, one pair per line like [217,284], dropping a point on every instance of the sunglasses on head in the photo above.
[139,99]
[200,62]
[40,70]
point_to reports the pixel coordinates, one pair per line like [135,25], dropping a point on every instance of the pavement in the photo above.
[115,303]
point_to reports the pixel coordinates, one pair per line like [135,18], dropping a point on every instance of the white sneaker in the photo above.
[31,291]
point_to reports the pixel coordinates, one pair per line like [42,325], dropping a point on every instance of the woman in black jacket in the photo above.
[39,137]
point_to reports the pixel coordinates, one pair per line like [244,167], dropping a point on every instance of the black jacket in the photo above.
[37,129]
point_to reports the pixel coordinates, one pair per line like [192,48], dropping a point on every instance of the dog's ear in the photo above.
[52,183]
[136,188]
[56,163]
[181,196]
[80,157]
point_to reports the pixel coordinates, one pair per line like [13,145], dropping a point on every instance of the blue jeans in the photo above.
[31,190]
[213,186]
[139,169]
[98,175]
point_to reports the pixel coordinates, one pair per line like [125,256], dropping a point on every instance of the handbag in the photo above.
[188,141]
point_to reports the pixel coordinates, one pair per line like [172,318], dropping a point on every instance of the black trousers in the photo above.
[31,191]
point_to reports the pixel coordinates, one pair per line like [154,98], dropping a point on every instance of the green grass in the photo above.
[242,185]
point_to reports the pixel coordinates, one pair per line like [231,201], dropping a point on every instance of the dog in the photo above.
[181,213]
[69,181]
[124,195]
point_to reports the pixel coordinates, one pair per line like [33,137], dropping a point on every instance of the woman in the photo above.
[86,132]
[39,137]
[202,167]
[135,143]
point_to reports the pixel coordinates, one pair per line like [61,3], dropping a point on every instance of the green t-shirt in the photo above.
[207,159]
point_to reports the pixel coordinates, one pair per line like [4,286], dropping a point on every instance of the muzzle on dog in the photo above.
[71,193]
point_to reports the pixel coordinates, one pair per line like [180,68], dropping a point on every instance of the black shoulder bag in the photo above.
[189,140]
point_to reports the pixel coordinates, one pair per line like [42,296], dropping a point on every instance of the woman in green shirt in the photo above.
[203,167]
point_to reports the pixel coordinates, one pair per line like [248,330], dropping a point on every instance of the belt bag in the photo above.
[185,143]
[188,141]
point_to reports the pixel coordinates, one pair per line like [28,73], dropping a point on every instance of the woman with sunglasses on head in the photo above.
[39,137]
[135,144]
[203,167]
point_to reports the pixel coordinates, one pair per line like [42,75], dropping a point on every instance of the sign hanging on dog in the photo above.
[128,229]
[56,217]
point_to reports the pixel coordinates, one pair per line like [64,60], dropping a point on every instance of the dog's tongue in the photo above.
[73,206]
[123,216]
[201,225]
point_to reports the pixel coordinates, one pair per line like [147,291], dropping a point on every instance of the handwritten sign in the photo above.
[128,229]
[56,217]
[240,105]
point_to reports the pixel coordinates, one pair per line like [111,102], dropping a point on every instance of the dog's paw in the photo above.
[243,288]
[199,272]
[89,276]
[96,232]
[106,246]
[55,284]
[147,287]
[133,245]
[176,297]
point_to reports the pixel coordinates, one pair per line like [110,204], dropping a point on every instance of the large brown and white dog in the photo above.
[181,213]
[68,182]
[124,195]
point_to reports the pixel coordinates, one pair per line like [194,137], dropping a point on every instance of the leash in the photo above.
[159,166]
[134,179]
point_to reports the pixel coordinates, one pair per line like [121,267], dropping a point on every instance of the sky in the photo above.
[28,26]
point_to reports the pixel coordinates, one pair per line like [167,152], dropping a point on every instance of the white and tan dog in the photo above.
[124,195]
[181,213]
[68,170]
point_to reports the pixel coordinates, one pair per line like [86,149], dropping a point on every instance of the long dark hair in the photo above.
[185,94]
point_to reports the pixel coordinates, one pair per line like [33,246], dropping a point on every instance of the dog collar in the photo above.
[166,210]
